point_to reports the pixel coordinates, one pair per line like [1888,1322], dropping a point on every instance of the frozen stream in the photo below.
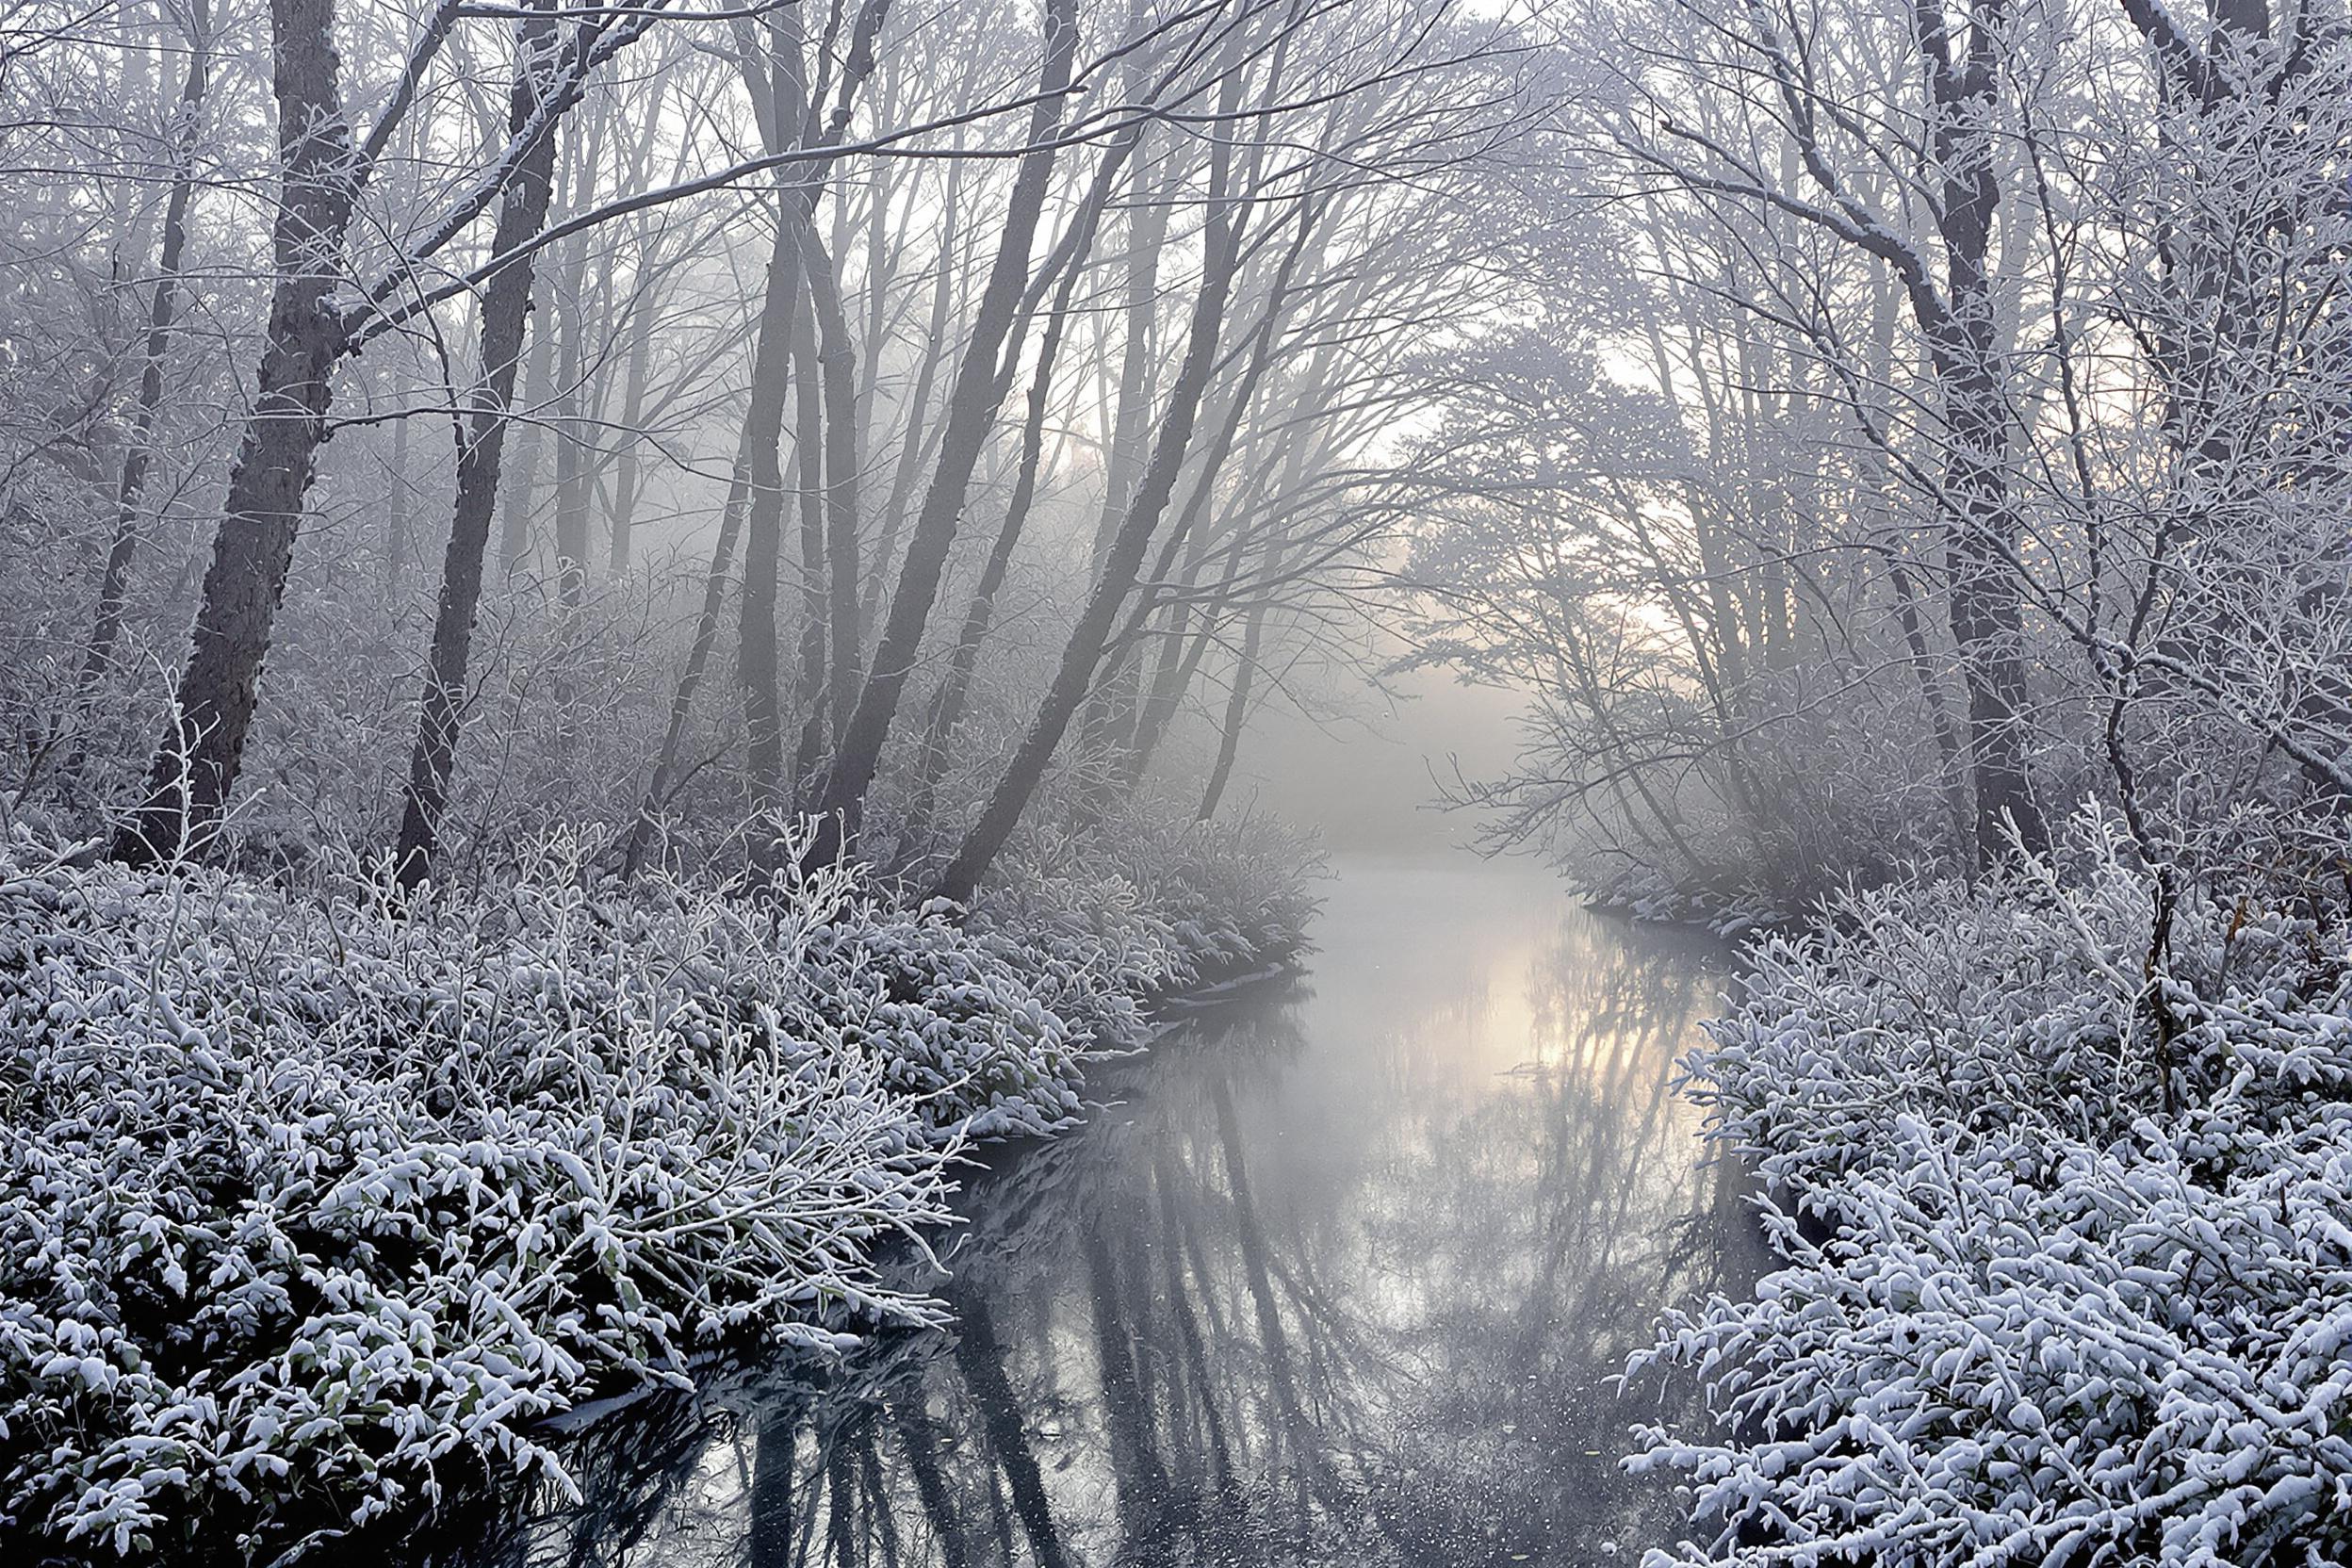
[1341,1278]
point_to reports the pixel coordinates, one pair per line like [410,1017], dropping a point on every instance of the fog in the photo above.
[1375,772]
[1409,696]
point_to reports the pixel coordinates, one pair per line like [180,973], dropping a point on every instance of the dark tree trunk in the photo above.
[774,1460]
[913,450]
[1111,711]
[877,1498]
[522,490]
[790,105]
[1136,1468]
[1195,1354]
[1120,562]
[505,310]
[982,1363]
[1180,665]
[808,465]
[840,1495]
[1281,1375]
[1175,666]
[196,762]
[1147,236]
[1160,713]
[837,363]
[954,690]
[915,1435]
[114,585]
[972,409]
[1236,712]
[781,107]
[1987,614]
[759,665]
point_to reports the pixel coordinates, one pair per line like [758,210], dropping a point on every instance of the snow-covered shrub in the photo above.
[2045,1309]
[1158,898]
[310,1203]
[983,1038]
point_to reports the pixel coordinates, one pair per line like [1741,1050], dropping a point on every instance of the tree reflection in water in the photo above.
[1346,1277]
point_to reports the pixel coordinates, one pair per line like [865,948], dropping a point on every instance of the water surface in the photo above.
[1344,1276]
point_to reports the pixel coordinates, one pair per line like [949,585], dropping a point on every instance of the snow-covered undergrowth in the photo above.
[310,1207]
[1159,893]
[2041,1310]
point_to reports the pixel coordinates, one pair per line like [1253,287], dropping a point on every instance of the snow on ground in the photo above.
[311,1205]
[2035,1306]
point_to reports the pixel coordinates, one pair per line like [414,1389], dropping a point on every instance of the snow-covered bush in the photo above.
[311,1205]
[2066,1235]
[1165,900]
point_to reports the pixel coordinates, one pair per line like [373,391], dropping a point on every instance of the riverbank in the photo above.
[312,1201]
[2059,1212]
[1340,1273]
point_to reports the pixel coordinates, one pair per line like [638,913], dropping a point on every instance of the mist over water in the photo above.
[1368,771]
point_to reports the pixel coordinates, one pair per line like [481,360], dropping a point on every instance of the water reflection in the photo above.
[1343,1278]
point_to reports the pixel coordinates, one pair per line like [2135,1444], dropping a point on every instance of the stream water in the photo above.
[1344,1275]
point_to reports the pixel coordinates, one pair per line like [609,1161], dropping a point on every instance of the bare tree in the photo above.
[107,623]
[972,408]
[506,306]
[196,763]
[1123,555]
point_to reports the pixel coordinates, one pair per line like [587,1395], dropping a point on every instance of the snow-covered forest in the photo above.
[636,639]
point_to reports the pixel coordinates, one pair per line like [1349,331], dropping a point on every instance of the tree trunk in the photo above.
[624,483]
[837,363]
[196,762]
[644,315]
[505,310]
[697,661]
[982,1363]
[523,486]
[1147,236]
[1931,693]
[114,585]
[1987,614]
[972,409]
[1237,713]
[1174,670]
[915,1435]
[1120,562]
[1136,1468]
[772,1463]
[1111,711]
[763,536]
[1274,1342]
[790,105]
[809,467]
[571,439]
[948,702]
[841,1497]
[912,450]
[400,535]
[1194,1353]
